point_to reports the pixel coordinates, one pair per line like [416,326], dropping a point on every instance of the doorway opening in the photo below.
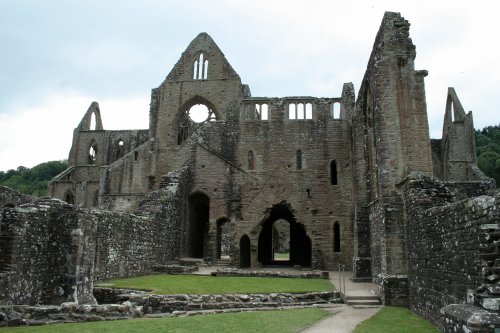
[223,239]
[281,232]
[198,208]
[244,251]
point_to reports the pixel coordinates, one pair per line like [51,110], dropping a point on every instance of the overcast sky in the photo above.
[56,57]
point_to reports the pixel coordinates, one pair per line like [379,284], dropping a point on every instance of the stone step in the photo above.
[221,262]
[363,302]
[361,297]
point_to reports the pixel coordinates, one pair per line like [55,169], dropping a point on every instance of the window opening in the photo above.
[333,173]
[300,111]
[200,113]
[196,114]
[299,159]
[93,122]
[205,70]
[309,111]
[336,237]
[292,111]
[251,160]
[336,110]
[92,153]
[200,68]
[136,155]
[261,111]
[120,149]
[69,197]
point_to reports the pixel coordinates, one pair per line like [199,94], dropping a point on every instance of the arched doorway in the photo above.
[223,239]
[244,251]
[199,208]
[281,218]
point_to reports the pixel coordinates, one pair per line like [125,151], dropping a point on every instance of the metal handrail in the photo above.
[341,278]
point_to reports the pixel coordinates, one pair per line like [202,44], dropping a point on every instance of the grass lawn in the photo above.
[199,284]
[262,321]
[395,320]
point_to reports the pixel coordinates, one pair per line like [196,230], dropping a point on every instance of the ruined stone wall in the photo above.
[52,252]
[220,91]
[37,253]
[126,182]
[12,198]
[131,244]
[445,237]
[392,137]
[84,179]
[276,176]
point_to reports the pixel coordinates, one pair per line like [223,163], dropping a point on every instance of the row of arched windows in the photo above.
[300,111]
[295,111]
[120,151]
[200,68]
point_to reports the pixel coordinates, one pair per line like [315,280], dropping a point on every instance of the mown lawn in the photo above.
[199,284]
[395,320]
[262,321]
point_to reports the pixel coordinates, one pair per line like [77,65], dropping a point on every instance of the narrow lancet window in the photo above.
[92,158]
[200,68]
[251,160]
[333,173]
[299,159]
[309,111]
[336,237]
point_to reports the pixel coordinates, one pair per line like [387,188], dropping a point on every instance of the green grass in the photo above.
[263,321]
[281,256]
[198,284]
[395,320]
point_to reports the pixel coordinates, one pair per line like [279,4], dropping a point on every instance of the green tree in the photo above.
[32,181]
[488,151]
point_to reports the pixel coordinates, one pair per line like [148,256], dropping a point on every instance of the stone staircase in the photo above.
[221,262]
[355,293]
[358,298]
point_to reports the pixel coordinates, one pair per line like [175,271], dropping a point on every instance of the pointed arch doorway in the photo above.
[272,239]
[198,209]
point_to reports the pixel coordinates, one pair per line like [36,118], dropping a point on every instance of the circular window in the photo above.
[200,113]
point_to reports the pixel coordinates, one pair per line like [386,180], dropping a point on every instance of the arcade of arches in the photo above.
[282,240]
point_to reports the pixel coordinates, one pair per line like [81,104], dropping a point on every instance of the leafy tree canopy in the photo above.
[32,181]
[488,151]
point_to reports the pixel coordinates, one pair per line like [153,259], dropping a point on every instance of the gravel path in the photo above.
[344,319]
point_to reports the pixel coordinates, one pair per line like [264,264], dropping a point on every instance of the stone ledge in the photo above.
[303,275]
[468,318]
[141,304]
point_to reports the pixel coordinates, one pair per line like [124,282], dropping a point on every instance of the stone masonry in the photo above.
[355,178]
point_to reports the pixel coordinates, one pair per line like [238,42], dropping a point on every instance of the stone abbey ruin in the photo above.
[355,180]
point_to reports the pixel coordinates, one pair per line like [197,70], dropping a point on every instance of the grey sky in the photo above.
[58,56]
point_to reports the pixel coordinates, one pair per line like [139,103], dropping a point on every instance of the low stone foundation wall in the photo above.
[130,304]
[17,315]
[467,318]
[393,289]
[174,269]
[302,275]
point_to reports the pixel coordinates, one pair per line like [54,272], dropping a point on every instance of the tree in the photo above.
[32,181]
[488,151]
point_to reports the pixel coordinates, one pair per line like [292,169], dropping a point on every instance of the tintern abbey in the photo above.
[350,179]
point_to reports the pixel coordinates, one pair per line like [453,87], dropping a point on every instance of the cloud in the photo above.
[44,132]
[58,56]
